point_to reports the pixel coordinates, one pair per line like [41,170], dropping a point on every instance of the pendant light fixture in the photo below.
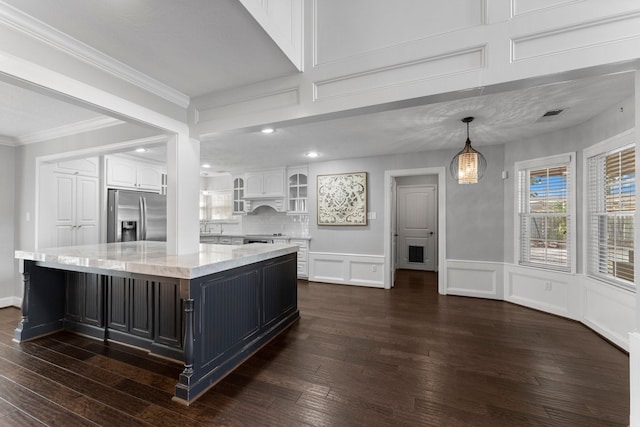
[468,166]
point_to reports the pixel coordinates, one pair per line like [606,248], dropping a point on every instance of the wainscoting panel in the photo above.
[474,279]
[609,310]
[549,291]
[347,269]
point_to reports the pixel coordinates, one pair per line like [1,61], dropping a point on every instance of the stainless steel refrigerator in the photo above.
[136,215]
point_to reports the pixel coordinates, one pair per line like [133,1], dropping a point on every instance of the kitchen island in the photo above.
[211,310]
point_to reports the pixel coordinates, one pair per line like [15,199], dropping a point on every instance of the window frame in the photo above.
[568,159]
[612,145]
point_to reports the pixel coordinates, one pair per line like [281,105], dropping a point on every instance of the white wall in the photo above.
[7,261]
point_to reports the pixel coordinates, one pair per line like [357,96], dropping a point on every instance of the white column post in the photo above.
[183,189]
[634,337]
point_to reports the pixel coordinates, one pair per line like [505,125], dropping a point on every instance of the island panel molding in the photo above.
[342,199]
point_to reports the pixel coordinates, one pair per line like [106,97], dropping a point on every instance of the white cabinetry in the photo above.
[76,209]
[297,190]
[68,203]
[123,173]
[303,257]
[264,184]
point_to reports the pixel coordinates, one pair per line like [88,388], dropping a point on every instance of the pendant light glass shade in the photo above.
[468,166]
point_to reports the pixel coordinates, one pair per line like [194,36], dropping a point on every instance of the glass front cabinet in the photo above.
[297,186]
[238,195]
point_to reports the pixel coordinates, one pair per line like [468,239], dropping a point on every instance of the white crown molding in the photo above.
[26,24]
[7,140]
[71,129]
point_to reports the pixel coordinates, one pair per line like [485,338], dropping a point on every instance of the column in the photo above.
[183,189]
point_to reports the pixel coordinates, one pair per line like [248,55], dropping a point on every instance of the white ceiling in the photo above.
[202,46]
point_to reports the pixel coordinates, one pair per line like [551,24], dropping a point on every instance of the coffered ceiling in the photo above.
[195,47]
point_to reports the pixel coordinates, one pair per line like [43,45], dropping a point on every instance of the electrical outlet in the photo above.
[374,268]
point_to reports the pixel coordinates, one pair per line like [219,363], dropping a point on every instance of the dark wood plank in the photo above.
[358,356]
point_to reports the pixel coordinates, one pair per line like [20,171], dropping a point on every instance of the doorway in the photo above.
[416,224]
[438,179]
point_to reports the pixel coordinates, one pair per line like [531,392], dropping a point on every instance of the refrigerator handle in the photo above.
[143,219]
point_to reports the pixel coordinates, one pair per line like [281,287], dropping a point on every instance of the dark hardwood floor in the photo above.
[358,356]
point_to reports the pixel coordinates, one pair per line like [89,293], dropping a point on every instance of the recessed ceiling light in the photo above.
[268,130]
[206,165]
[141,150]
[312,154]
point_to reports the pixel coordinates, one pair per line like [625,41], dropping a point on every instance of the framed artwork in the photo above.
[342,199]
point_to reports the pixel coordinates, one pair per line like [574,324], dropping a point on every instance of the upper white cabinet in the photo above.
[86,167]
[265,184]
[238,195]
[123,173]
[297,179]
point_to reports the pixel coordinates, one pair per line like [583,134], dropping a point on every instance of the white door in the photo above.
[416,227]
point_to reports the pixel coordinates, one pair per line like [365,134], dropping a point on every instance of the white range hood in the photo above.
[250,205]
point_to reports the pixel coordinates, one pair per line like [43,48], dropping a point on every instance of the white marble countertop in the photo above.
[151,258]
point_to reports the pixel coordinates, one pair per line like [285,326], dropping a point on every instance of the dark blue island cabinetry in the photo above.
[232,306]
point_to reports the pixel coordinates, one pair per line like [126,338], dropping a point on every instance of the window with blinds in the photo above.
[546,214]
[612,203]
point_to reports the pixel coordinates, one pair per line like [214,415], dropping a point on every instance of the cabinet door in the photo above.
[168,314]
[253,185]
[84,298]
[238,195]
[65,213]
[87,167]
[298,191]
[273,184]
[118,303]
[87,208]
[120,173]
[140,303]
[149,177]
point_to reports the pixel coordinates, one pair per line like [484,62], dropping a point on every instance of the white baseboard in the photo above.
[347,269]
[475,279]
[10,302]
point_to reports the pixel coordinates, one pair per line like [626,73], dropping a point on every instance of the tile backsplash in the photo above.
[265,220]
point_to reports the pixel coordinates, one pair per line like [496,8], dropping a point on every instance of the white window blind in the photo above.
[545,198]
[611,203]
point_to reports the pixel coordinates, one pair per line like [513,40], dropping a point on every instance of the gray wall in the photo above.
[468,206]
[7,186]
[609,123]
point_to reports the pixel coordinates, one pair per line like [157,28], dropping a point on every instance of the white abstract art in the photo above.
[342,199]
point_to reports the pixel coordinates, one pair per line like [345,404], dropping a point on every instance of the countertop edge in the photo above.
[211,259]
